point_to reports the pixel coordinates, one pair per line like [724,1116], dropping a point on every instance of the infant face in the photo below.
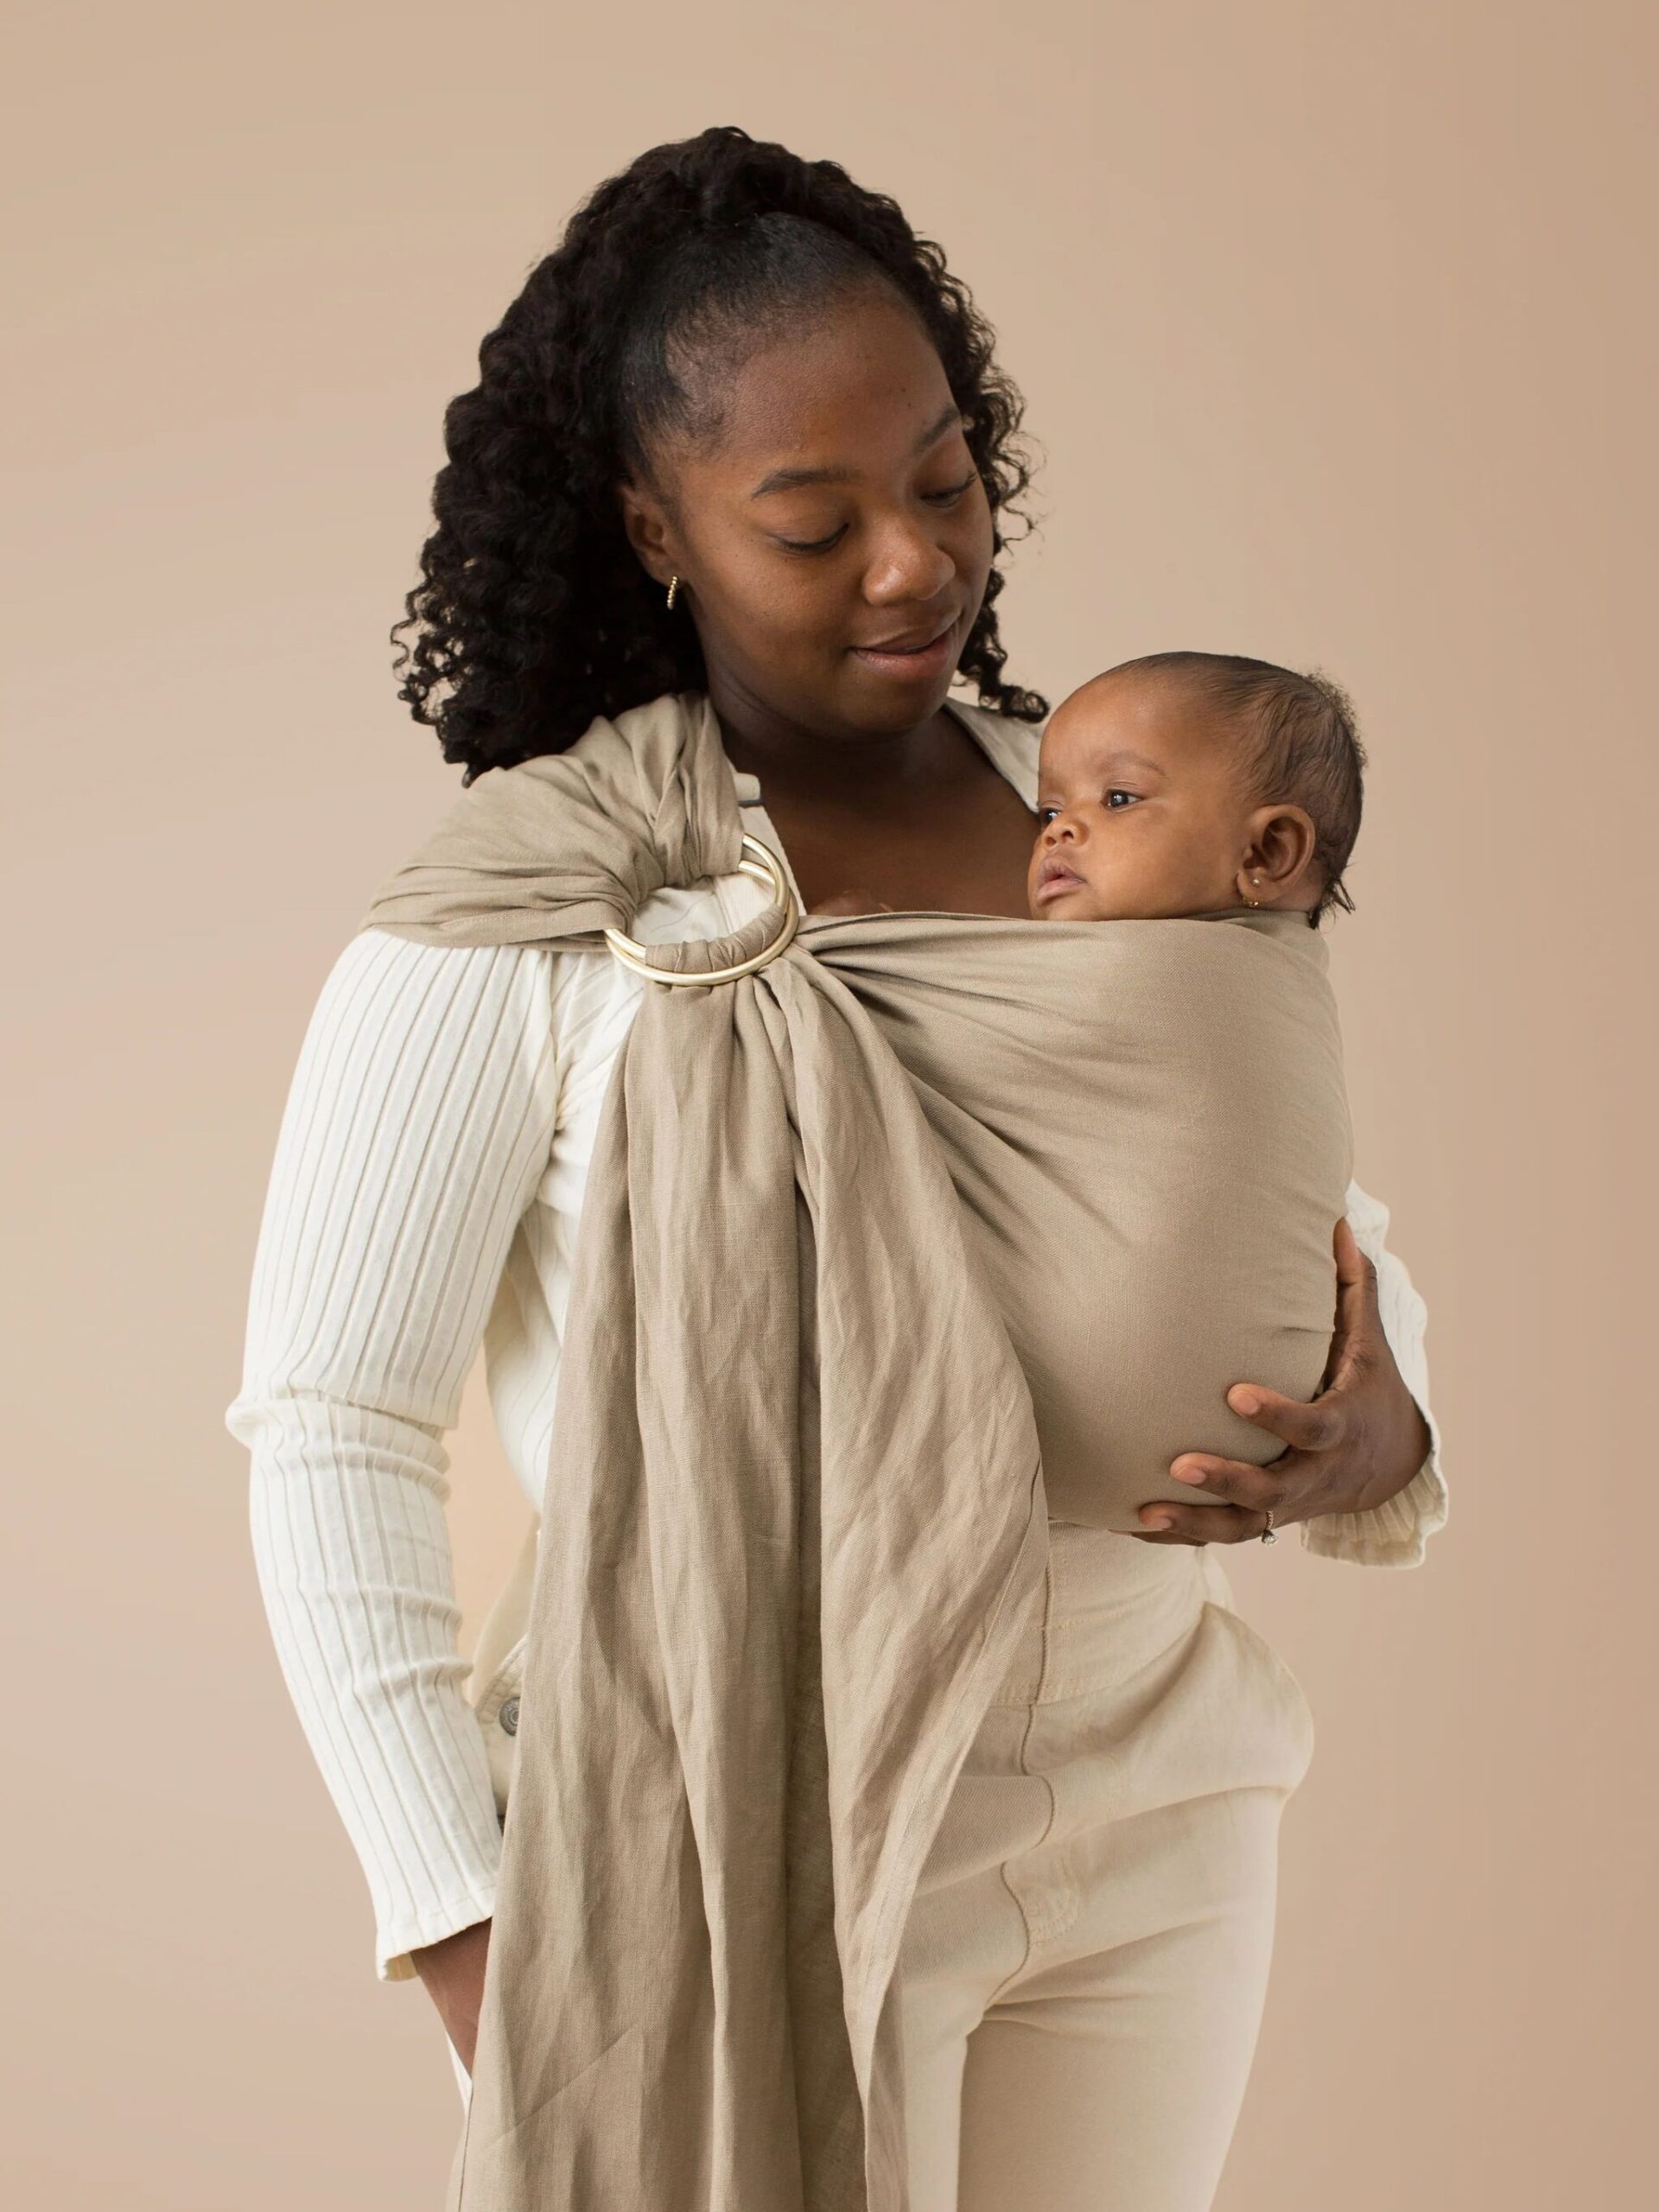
[1141,805]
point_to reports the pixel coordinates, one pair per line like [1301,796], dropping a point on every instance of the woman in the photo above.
[742,434]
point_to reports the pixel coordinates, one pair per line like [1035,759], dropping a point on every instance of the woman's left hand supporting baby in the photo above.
[1361,1440]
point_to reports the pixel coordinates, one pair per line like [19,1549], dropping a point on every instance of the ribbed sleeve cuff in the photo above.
[1394,1534]
[395,1940]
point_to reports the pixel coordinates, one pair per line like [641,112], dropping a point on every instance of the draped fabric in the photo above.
[860,1227]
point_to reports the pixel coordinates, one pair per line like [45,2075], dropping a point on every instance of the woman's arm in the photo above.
[1394,1533]
[418,1121]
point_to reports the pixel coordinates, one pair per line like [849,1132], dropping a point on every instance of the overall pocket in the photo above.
[1288,1694]
[498,1716]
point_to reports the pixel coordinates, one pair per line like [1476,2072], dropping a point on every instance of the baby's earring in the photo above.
[1256,885]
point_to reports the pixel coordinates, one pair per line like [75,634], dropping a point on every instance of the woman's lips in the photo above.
[914,662]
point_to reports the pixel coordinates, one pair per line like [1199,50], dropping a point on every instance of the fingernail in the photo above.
[1244,1401]
[1160,1521]
[1187,1474]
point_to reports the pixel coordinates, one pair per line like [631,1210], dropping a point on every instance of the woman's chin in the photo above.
[896,701]
[891,722]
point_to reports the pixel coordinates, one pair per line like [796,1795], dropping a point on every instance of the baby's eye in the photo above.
[1045,815]
[1126,798]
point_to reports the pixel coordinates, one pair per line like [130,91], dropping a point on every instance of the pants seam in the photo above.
[1032,1705]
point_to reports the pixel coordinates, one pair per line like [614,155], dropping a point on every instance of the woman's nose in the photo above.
[908,564]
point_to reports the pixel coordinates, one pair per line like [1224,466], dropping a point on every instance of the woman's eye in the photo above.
[944,498]
[814,545]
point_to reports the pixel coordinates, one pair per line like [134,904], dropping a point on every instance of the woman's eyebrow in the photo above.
[790,479]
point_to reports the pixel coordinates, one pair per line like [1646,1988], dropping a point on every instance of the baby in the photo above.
[1188,784]
[1184,1147]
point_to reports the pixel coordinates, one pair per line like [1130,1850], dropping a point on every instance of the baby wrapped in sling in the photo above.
[904,1233]
[1151,1191]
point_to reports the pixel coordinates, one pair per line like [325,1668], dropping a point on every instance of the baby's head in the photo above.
[1186,783]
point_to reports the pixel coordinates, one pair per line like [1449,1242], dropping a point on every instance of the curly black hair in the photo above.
[533,614]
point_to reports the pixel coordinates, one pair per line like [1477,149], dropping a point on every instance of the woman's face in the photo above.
[833,539]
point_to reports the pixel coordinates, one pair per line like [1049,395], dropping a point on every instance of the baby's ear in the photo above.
[1283,841]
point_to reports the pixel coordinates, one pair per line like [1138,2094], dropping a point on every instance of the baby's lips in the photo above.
[1049,874]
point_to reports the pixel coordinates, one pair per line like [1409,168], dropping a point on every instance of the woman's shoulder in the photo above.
[487,999]
[382,978]
[1011,743]
[471,1032]
[383,953]
[382,947]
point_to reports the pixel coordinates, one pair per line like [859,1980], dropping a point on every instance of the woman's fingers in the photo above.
[1322,1426]
[1200,1524]
[1309,1433]
[1355,1273]
[1251,1491]
[1234,1479]
[1316,1427]
[1359,1333]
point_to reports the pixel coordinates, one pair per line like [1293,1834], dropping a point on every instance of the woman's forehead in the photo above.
[858,391]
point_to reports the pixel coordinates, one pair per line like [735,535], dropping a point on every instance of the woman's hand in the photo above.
[1361,1440]
[453,1970]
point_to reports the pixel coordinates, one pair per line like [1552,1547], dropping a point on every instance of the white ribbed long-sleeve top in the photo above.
[423,1202]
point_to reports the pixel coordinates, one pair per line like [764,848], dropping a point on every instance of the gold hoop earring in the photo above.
[673,586]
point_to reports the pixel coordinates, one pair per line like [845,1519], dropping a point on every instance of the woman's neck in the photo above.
[916,819]
[854,769]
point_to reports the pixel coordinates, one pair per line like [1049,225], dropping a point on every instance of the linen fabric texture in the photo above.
[927,1230]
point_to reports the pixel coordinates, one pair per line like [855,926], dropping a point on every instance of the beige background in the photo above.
[1336,323]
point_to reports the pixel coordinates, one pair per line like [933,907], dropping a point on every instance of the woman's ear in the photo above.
[1279,856]
[649,529]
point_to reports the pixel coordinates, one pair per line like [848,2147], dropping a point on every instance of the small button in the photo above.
[508,1716]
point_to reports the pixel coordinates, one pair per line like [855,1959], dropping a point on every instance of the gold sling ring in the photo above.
[759,861]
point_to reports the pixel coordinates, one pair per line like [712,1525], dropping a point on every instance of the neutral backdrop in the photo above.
[1336,325]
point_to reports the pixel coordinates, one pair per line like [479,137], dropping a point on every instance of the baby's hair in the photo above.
[1305,747]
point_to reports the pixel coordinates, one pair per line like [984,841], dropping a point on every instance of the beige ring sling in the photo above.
[904,1234]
